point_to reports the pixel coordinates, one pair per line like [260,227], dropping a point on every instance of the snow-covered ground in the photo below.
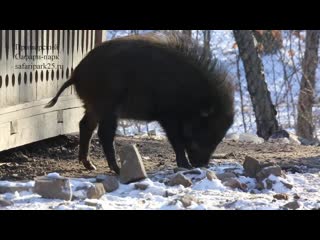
[205,194]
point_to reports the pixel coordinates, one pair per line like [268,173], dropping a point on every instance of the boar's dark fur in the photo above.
[164,77]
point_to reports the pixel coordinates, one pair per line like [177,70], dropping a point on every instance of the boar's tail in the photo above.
[63,87]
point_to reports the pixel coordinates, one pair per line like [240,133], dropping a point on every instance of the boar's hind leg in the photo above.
[106,133]
[87,125]
[174,135]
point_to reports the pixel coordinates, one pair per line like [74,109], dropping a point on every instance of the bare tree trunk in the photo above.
[138,126]
[241,94]
[305,126]
[147,126]
[275,89]
[206,41]
[187,32]
[134,32]
[264,110]
[197,35]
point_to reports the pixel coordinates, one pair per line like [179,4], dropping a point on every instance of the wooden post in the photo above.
[100,36]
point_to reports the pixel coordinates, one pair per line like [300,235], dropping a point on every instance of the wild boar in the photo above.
[165,77]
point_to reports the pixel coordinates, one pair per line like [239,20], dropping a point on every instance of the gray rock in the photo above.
[287,185]
[101,177]
[234,183]
[168,194]
[193,171]
[292,205]
[180,169]
[259,186]
[180,179]
[283,136]
[91,203]
[279,134]
[132,168]
[307,142]
[141,186]
[53,188]
[96,191]
[5,203]
[80,194]
[187,200]
[225,176]
[250,138]
[269,184]
[281,196]
[251,166]
[110,183]
[211,175]
[266,172]
[6,189]
[296,196]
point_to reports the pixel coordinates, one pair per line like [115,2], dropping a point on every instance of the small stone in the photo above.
[91,203]
[292,205]
[251,166]
[96,191]
[110,183]
[141,186]
[53,188]
[169,194]
[281,196]
[225,176]
[269,184]
[259,186]
[5,203]
[101,177]
[296,196]
[132,168]
[180,169]
[266,172]
[187,200]
[234,183]
[13,189]
[287,185]
[211,175]
[193,171]
[180,179]
[280,134]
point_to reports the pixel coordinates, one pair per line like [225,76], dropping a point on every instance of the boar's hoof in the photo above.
[88,165]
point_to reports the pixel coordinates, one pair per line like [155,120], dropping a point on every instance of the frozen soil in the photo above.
[60,154]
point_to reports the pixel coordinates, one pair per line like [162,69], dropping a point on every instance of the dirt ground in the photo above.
[60,154]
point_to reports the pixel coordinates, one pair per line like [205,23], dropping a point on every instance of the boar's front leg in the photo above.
[87,125]
[174,134]
[106,133]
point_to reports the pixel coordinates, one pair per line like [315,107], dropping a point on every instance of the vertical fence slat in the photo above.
[2,71]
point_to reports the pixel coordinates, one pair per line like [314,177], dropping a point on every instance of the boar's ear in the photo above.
[187,130]
[207,113]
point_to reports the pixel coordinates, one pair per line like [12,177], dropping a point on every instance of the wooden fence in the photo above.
[33,66]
